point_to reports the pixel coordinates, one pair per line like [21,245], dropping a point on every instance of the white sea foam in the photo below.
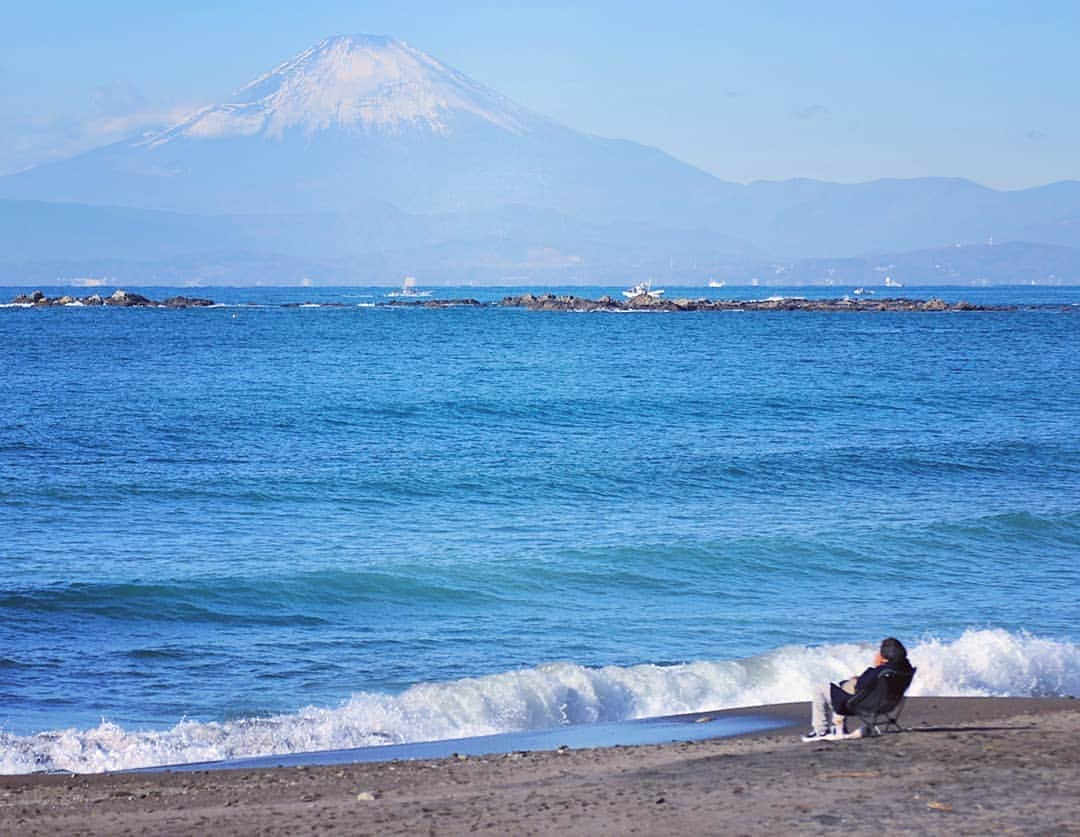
[980,662]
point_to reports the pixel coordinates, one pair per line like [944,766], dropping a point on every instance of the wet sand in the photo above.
[965,766]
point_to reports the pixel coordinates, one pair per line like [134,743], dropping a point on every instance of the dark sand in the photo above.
[965,766]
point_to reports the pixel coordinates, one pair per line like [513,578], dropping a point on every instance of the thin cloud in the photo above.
[122,111]
[1035,135]
[46,138]
[118,98]
[121,126]
[811,112]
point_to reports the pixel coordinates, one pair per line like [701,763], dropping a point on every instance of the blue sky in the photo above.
[747,91]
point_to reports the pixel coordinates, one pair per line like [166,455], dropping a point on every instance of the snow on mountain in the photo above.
[363,144]
[359,120]
[356,83]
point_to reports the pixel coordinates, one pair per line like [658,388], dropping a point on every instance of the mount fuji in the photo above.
[363,159]
[359,120]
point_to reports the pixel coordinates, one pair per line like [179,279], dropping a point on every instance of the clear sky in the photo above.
[844,91]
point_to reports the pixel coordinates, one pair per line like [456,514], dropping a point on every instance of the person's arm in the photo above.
[867,679]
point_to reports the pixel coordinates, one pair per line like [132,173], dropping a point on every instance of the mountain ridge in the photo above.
[362,145]
[350,81]
[42,243]
[372,116]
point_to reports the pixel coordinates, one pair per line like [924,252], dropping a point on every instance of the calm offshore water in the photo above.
[254,529]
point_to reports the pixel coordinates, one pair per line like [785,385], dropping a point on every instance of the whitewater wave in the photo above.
[978,663]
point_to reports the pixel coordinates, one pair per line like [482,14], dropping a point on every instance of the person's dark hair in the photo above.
[893,649]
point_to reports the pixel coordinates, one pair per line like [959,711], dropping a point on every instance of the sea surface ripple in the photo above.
[234,513]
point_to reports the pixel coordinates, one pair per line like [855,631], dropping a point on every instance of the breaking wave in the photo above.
[978,663]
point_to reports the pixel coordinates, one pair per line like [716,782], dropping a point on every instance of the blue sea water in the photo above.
[256,529]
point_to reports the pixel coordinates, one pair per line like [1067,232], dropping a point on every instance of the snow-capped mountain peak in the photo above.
[356,83]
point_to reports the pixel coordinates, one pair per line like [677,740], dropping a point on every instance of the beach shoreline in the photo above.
[963,765]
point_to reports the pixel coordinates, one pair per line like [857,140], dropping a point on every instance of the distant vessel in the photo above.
[714,284]
[408,288]
[892,283]
[861,291]
[86,281]
[642,289]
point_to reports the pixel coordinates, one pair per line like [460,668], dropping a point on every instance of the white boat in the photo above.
[408,288]
[892,283]
[642,289]
[861,291]
[714,284]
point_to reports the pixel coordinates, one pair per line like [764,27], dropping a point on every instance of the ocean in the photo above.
[262,528]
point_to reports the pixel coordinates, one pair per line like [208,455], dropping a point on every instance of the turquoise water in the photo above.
[258,529]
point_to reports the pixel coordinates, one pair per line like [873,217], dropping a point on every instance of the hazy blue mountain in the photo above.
[357,119]
[1009,263]
[363,158]
[51,243]
[43,241]
[813,218]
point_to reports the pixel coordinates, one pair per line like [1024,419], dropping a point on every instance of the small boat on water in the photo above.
[714,284]
[408,288]
[642,289]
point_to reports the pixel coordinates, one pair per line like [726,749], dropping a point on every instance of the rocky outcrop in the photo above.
[644,302]
[561,302]
[187,302]
[35,298]
[433,303]
[128,300]
[122,299]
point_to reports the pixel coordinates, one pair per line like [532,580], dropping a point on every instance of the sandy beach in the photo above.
[964,766]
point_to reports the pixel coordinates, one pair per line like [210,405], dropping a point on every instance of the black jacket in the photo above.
[866,681]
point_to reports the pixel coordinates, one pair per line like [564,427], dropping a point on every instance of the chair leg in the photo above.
[894,718]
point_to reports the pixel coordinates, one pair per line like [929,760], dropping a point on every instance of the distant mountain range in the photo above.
[363,159]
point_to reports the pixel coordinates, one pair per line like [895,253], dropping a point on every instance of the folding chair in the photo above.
[879,707]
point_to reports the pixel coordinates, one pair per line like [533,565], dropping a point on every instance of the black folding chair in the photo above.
[879,707]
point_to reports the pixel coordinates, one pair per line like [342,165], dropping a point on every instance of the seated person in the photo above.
[828,702]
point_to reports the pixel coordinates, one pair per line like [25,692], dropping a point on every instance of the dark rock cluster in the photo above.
[551,302]
[121,299]
[644,302]
[434,303]
[396,303]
